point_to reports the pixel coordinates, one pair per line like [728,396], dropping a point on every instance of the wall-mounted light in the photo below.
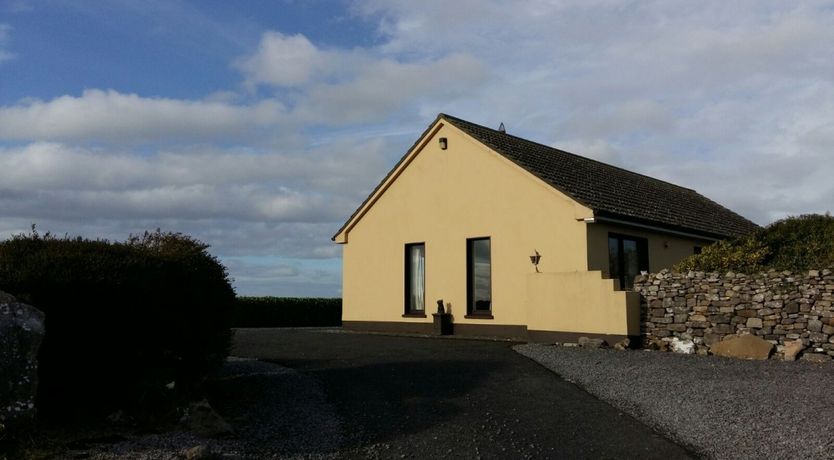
[535,258]
[443,143]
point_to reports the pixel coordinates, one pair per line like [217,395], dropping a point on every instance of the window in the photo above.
[627,257]
[415,279]
[478,277]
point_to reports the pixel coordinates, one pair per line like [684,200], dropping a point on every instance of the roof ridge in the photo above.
[452,119]
[602,187]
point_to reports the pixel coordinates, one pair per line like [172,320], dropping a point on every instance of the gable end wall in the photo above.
[442,198]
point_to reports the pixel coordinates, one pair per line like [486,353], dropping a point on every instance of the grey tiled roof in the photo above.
[611,191]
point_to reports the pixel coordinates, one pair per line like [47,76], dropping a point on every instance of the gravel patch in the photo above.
[721,408]
[275,411]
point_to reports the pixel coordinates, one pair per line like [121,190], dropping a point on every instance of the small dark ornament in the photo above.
[440,309]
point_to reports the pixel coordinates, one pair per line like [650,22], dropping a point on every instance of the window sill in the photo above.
[414,315]
[479,316]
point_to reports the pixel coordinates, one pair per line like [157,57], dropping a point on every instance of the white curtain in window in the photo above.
[418,277]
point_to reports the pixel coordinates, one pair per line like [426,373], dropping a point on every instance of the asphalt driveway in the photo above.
[408,397]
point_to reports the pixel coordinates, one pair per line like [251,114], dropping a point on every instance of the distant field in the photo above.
[286,312]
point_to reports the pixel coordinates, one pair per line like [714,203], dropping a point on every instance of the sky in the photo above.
[258,127]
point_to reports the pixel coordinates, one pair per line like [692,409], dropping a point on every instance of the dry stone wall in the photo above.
[782,308]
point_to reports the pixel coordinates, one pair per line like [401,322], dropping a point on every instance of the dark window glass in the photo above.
[614,257]
[627,257]
[479,276]
[415,278]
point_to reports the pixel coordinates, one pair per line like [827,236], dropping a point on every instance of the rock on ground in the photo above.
[686,347]
[21,333]
[792,349]
[742,347]
[202,419]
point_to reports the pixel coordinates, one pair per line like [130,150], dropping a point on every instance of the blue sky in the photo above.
[258,127]
[125,45]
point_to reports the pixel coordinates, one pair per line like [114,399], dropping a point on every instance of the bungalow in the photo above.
[515,239]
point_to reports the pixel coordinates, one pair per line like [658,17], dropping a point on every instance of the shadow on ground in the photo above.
[401,397]
[389,400]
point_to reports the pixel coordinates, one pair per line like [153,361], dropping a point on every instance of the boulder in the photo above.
[200,452]
[657,344]
[21,333]
[742,347]
[792,349]
[6,298]
[686,347]
[586,342]
[201,419]
[816,357]
[622,344]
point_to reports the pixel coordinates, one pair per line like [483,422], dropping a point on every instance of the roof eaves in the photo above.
[607,216]
[387,176]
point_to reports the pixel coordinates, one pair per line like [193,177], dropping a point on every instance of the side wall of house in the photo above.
[665,250]
[442,198]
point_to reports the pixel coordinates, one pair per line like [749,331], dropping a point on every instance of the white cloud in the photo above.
[371,94]
[5,54]
[244,202]
[115,116]
[734,99]
[78,183]
[356,86]
[283,60]
[598,149]
[263,276]
[707,94]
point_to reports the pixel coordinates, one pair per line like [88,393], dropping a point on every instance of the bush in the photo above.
[122,319]
[797,244]
[744,255]
[286,312]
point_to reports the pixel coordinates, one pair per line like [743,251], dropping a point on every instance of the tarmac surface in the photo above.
[411,397]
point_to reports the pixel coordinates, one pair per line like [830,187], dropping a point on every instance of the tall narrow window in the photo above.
[415,278]
[627,257]
[479,276]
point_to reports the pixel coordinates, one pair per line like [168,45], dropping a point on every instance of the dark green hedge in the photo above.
[796,243]
[286,312]
[123,319]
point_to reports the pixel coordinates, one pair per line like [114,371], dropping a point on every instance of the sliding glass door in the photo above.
[627,257]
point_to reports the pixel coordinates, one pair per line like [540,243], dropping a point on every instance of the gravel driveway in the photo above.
[277,413]
[720,408]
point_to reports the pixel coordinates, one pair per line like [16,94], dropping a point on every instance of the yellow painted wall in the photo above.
[664,250]
[581,302]
[442,198]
